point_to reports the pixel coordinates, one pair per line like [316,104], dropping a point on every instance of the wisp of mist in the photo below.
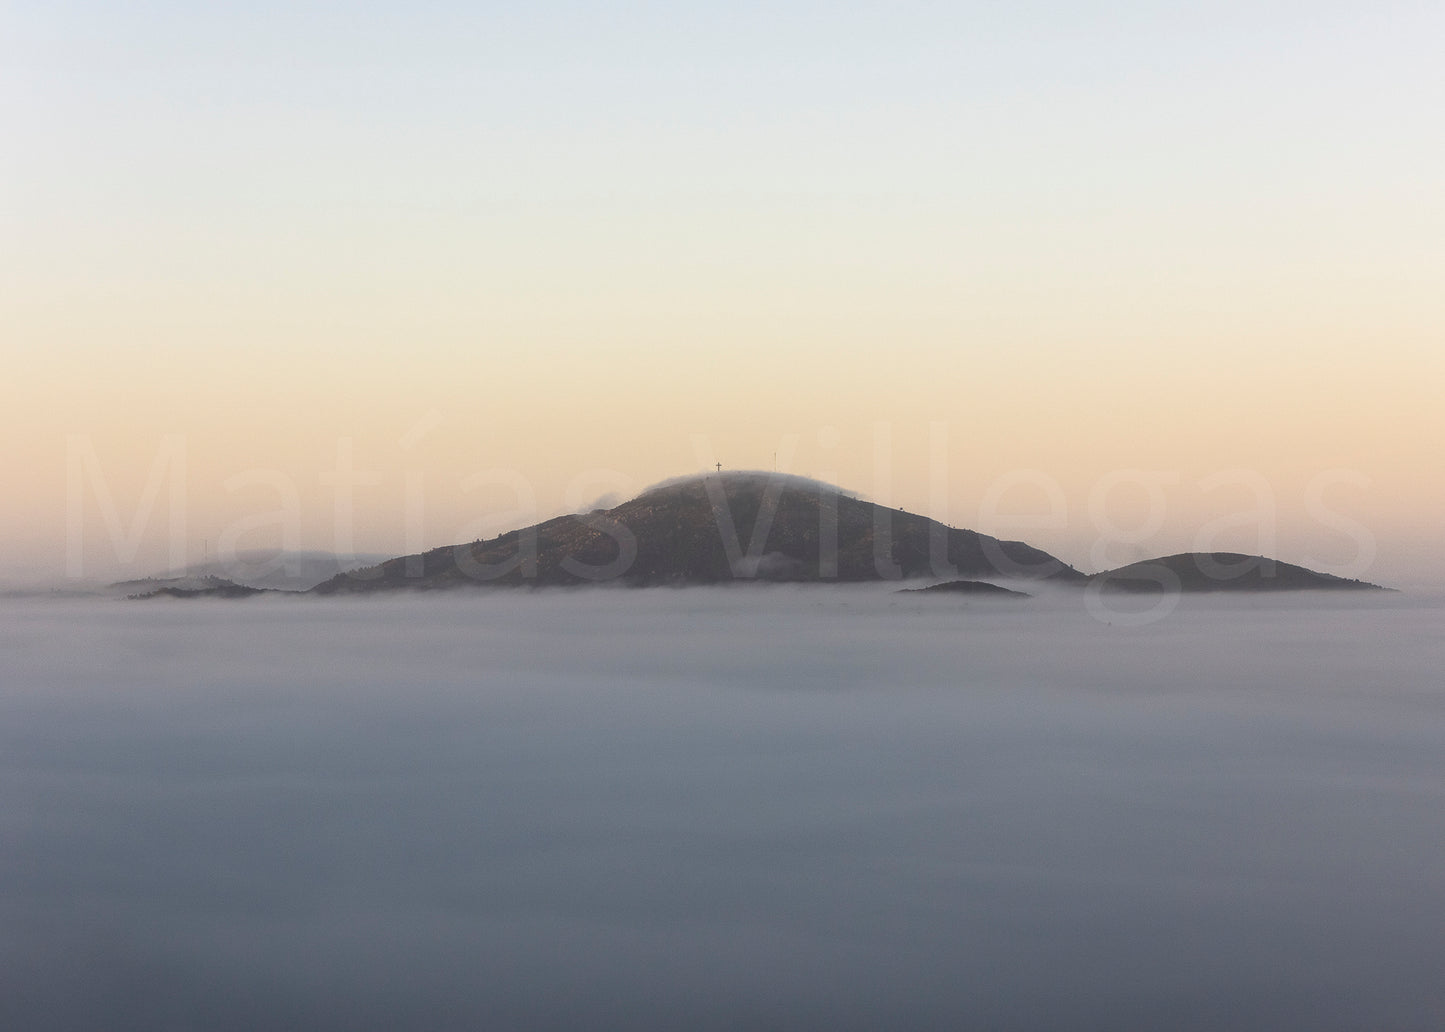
[751,807]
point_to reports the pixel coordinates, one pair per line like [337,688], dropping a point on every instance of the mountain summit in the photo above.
[716,529]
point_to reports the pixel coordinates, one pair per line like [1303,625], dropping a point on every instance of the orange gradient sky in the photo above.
[1003,265]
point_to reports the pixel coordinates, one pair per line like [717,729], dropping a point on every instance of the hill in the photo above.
[718,529]
[1220,571]
[966,587]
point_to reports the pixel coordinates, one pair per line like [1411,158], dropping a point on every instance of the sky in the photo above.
[1119,279]
[593,809]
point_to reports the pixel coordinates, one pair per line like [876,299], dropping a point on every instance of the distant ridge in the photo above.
[196,587]
[718,529]
[270,569]
[1221,571]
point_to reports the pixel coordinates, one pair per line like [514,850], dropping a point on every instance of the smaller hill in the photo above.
[966,587]
[1221,571]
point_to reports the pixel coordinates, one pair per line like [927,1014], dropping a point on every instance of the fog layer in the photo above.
[726,808]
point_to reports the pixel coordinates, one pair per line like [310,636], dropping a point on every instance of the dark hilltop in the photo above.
[719,529]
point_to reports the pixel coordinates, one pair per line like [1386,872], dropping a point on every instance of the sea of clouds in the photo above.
[752,807]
